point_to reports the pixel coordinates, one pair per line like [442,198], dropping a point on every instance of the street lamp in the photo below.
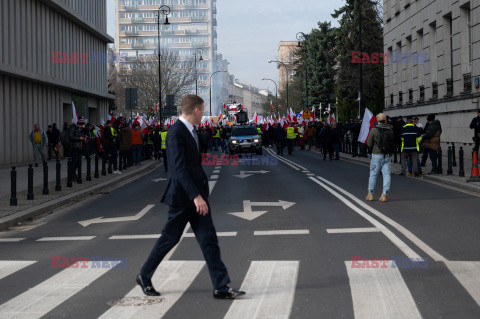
[286,71]
[211,89]
[196,76]
[276,90]
[165,10]
[303,37]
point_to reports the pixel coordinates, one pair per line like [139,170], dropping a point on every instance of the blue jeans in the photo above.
[377,163]
[336,148]
[136,153]
[410,165]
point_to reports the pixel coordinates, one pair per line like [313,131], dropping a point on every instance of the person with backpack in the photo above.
[381,141]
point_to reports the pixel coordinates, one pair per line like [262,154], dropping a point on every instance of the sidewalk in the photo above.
[452,180]
[29,209]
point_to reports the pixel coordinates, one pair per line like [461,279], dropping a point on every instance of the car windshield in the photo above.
[244,131]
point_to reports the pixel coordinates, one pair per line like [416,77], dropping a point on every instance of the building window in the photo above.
[469,39]
[292,74]
[292,57]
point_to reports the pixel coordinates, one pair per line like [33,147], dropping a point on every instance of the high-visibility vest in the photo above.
[217,135]
[259,130]
[291,133]
[164,140]
[113,133]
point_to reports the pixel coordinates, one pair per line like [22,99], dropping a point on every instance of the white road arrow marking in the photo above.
[159,180]
[249,214]
[244,174]
[100,220]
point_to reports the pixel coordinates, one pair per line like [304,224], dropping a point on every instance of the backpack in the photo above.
[387,141]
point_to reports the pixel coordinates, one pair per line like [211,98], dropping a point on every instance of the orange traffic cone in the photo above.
[474,176]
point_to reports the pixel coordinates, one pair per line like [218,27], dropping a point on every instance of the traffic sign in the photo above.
[307,115]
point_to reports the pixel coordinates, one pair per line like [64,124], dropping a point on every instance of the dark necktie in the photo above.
[195,136]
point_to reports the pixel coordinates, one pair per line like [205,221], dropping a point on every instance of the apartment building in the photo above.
[287,51]
[434,62]
[52,52]
[192,26]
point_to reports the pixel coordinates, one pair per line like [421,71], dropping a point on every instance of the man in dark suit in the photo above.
[186,193]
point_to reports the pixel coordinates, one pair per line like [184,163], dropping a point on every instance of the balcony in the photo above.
[138,45]
[130,7]
[449,88]
[131,32]
[467,83]
[137,20]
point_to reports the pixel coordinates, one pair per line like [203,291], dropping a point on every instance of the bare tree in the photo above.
[178,77]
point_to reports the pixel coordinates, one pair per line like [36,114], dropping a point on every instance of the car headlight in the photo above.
[234,142]
[255,140]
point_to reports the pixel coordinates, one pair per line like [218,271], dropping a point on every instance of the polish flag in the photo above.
[271,105]
[368,123]
[255,118]
[225,107]
[331,119]
[74,114]
[313,114]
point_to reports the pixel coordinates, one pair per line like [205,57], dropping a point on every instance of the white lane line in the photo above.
[306,172]
[211,185]
[417,241]
[468,274]
[8,267]
[10,240]
[293,163]
[310,174]
[214,177]
[270,287]
[44,297]
[219,234]
[153,236]
[171,279]
[388,233]
[285,162]
[379,293]
[281,232]
[67,238]
[218,167]
[217,171]
[353,230]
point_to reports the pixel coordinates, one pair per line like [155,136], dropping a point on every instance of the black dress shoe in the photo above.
[148,288]
[229,294]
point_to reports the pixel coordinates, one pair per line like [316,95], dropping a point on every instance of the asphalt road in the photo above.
[293,243]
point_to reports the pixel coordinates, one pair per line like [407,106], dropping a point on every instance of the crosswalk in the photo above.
[271,288]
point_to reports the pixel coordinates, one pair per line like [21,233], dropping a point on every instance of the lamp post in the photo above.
[165,10]
[276,91]
[196,76]
[211,89]
[303,37]
[286,71]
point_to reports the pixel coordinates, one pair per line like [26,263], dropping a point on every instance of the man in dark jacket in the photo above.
[475,126]
[431,141]
[76,139]
[411,138]
[110,138]
[53,140]
[280,136]
[327,137]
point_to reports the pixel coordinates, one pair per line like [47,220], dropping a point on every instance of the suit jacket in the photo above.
[185,176]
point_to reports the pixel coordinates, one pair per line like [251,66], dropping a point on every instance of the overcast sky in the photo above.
[249,32]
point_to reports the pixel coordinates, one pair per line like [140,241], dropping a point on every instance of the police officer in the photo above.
[291,135]
[475,125]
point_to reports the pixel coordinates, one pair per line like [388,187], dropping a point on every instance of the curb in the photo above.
[48,207]
[445,182]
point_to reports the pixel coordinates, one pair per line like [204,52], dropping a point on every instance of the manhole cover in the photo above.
[134,301]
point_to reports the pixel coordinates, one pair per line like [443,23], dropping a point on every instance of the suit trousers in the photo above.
[205,233]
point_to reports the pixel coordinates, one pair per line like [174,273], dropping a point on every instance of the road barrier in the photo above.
[474,175]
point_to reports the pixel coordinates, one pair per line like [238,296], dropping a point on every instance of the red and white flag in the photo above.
[313,114]
[74,114]
[331,119]
[255,118]
[271,105]
[368,123]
